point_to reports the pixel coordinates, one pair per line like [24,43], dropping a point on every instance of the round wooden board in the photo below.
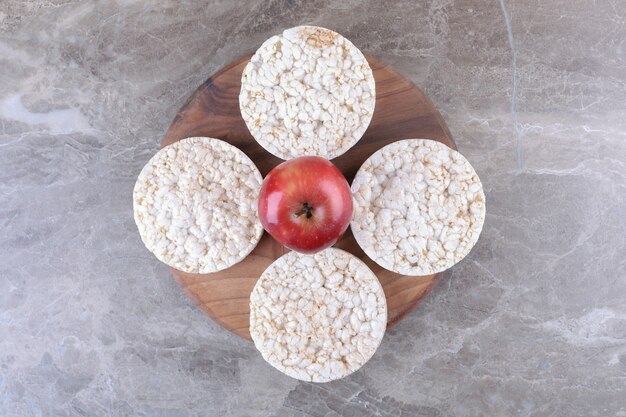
[402,112]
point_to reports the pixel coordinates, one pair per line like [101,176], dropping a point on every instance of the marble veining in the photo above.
[518,140]
[531,323]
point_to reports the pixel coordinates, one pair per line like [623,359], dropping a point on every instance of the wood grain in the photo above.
[402,111]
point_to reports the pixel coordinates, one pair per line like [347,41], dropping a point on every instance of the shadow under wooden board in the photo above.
[402,112]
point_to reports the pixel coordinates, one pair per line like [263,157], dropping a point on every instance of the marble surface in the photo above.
[531,323]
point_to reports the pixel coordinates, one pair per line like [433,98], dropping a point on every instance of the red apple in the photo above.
[305,204]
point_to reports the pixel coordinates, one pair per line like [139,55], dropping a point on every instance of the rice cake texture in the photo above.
[318,317]
[307,91]
[419,207]
[195,204]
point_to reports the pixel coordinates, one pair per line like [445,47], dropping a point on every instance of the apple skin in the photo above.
[305,204]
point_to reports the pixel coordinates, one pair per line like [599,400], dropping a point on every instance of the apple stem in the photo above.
[306,209]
